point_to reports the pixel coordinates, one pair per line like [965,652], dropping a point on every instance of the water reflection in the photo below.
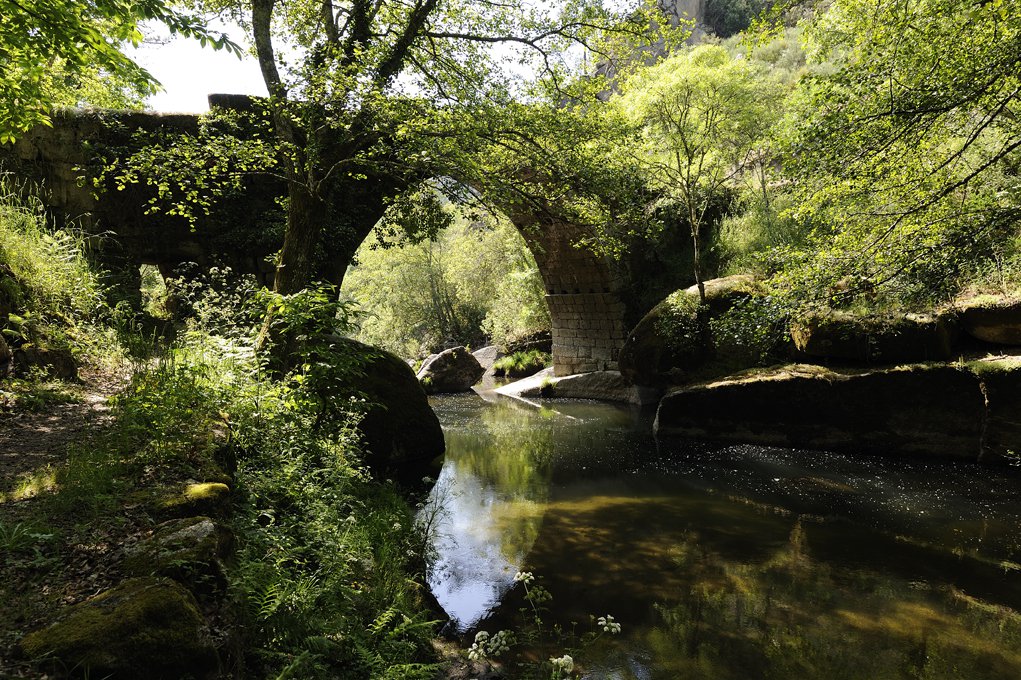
[488,502]
[728,562]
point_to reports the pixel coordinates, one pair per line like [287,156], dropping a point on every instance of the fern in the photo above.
[382,621]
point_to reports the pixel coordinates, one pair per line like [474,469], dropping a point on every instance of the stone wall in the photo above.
[123,232]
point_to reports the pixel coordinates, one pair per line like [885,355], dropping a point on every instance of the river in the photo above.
[719,562]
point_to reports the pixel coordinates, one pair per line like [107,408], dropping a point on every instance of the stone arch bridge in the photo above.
[593,301]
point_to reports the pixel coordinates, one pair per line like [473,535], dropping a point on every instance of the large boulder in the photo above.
[144,628]
[930,409]
[487,356]
[401,433]
[452,370]
[995,319]
[1001,384]
[874,339]
[671,341]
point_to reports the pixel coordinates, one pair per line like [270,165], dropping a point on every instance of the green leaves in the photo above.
[45,43]
[905,152]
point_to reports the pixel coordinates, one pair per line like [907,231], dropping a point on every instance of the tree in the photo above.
[904,144]
[702,115]
[371,98]
[46,42]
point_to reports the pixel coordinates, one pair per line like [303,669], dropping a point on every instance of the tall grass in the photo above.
[50,294]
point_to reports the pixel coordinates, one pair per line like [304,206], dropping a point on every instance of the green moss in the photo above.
[992,365]
[207,498]
[143,628]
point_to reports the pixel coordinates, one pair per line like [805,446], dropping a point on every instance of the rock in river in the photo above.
[921,409]
[452,370]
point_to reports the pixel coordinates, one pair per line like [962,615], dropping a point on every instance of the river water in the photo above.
[720,562]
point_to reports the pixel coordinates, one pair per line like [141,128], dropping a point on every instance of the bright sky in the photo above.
[190,72]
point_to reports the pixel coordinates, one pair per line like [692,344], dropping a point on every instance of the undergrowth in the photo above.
[521,364]
[323,581]
[50,295]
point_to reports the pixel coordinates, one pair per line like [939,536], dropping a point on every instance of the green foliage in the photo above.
[683,324]
[727,17]
[752,332]
[44,43]
[704,117]
[188,174]
[521,364]
[50,295]
[905,150]
[476,279]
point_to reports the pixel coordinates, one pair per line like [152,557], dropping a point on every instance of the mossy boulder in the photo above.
[935,409]
[673,340]
[190,551]
[144,628]
[401,433]
[193,499]
[992,318]
[874,339]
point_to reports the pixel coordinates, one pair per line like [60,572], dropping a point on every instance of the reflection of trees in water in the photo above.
[489,504]
[795,617]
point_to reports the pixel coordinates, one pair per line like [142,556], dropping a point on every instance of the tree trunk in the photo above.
[696,264]
[306,216]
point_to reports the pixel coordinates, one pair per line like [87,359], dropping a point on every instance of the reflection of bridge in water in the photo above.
[593,300]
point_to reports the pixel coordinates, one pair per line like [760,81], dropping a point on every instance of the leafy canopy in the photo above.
[45,42]
[905,149]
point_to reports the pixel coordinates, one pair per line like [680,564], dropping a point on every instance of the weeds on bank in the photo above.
[534,632]
[521,364]
[323,584]
[326,555]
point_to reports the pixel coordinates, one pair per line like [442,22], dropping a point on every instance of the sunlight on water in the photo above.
[725,562]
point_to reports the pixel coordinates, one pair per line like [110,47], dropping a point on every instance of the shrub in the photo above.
[521,364]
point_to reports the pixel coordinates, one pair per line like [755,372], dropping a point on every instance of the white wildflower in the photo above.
[564,663]
[608,624]
[524,577]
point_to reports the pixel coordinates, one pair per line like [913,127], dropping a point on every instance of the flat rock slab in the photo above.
[923,409]
[600,385]
[526,388]
[993,319]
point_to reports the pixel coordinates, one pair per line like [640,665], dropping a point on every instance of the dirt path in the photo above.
[32,441]
[48,561]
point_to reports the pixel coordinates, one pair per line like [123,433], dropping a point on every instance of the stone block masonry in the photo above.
[588,331]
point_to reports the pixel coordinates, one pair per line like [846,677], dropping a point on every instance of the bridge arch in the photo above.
[591,299]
